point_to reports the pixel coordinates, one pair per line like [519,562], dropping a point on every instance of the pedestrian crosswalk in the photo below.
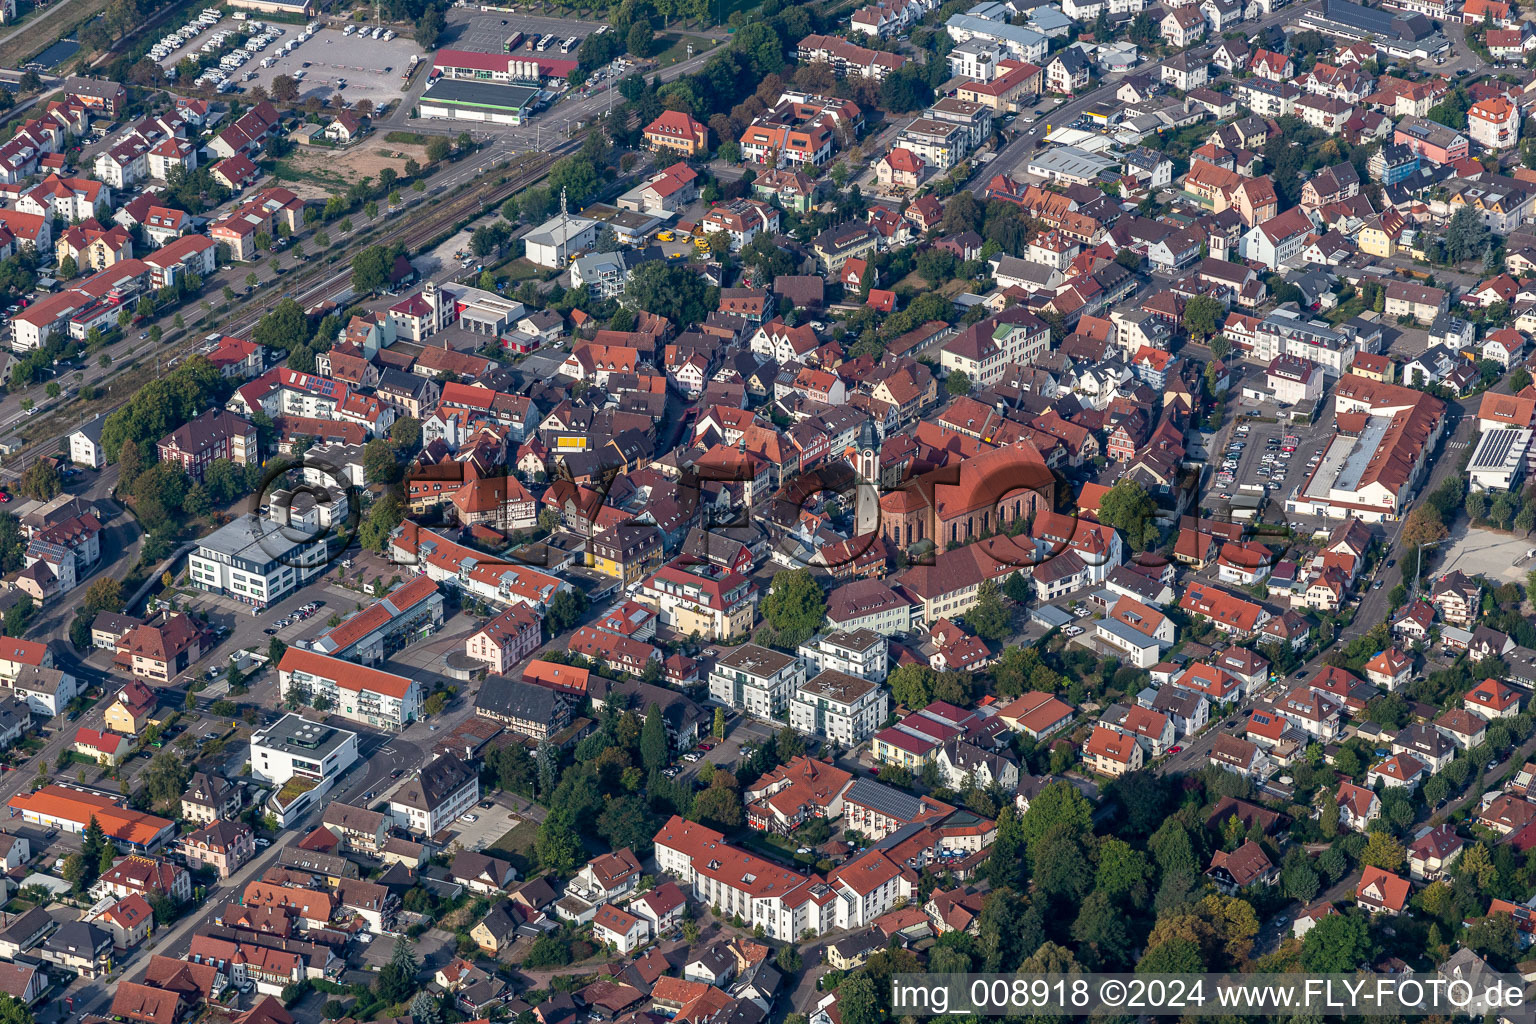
[1455,445]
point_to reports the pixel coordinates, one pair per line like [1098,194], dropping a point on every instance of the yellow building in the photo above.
[133,710]
[1377,240]
[676,132]
[629,552]
[714,603]
[898,746]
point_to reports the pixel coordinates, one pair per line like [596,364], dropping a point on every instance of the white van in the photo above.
[347,31]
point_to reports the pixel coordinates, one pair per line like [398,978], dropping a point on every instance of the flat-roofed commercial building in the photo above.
[1500,460]
[293,746]
[256,561]
[493,102]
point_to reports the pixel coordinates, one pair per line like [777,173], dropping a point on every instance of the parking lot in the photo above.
[1262,462]
[371,68]
[1495,556]
[490,824]
[487,32]
[195,44]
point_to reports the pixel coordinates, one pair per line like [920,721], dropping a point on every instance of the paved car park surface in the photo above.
[371,68]
[487,32]
[1263,461]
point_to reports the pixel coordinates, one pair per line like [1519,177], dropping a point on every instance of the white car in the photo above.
[469,819]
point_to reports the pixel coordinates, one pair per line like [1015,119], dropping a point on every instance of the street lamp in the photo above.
[1419,563]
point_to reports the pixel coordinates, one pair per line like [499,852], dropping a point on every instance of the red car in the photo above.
[4,497]
[1174,750]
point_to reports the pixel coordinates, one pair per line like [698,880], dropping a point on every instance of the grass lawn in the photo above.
[519,844]
[677,47]
[516,271]
[406,138]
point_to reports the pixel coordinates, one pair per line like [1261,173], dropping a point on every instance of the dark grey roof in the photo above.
[513,698]
[494,95]
[500,922]
[78,938]
[27,925]
[314,861]
[869,793]
[867,941]
[353,819]
[714,958]
[678,710]
[437,782]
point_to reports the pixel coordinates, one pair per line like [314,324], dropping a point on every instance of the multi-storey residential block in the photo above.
[365,695]
[704,599]
[861,653]
[758,680]
[843,709]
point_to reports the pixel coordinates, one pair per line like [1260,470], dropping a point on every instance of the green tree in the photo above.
[1130,509]
[655,748]
[166,778]
[76,872]
[1337,944]
[1202,316]
[1175,956]
[640,39]
[370,270]
[1124,873]
[718,804]
[856,1000]
[1059,803]
[41,481]
[1383,851]
[669,290]
[958,383]
[989,618]
[1496,938]
[565,610]
[795,607]
[1467,236]
[557,845]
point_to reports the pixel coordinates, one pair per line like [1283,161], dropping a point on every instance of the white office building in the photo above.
[294,747]
[1500,460]
[257,561]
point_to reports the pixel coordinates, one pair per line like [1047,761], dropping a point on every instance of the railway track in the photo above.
[412,234]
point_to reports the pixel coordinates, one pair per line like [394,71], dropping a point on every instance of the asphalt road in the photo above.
[1372,607]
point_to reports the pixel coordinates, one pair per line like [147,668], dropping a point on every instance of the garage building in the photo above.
[457,99]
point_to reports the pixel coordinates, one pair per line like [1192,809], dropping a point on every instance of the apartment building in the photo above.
[861,652]
[756,680]
[705,599]
[839,707]
[365,695]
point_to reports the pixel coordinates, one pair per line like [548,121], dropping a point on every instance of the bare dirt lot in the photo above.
[316,172]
